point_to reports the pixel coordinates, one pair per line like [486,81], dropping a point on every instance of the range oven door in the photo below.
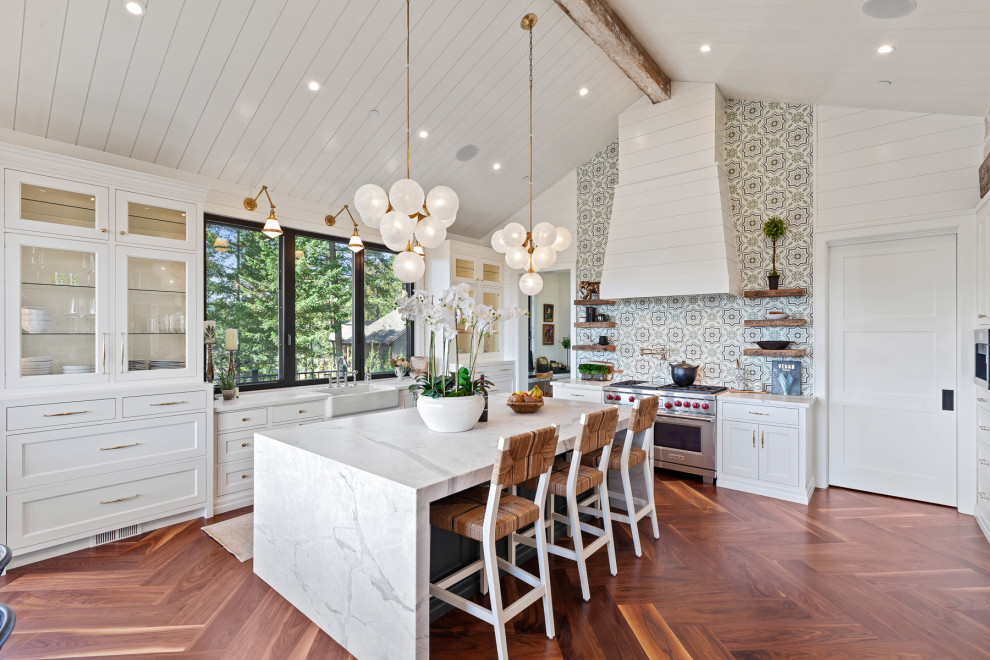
[684,440]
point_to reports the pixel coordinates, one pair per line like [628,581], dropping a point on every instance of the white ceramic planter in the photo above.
[450,414]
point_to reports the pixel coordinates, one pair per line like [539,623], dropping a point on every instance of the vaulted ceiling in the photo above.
[220,87]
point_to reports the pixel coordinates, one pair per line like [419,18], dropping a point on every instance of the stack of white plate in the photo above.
[137,365]
[35,319]
[78,369]
[36,366]
[168,364]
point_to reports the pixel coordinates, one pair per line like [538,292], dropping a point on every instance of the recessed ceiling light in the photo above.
[424,133]
[373,114]
[705,48]
[136,7]
[889,8]
[314,85]
[583,91]
[497,166]
[884,49]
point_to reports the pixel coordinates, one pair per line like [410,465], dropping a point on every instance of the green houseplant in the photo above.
[593,371]
[228,383]
[774,229]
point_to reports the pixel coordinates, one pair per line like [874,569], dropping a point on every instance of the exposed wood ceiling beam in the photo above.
[607,30]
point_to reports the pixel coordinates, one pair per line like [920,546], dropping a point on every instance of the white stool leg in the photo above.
[631,509]
[648,478]
[607,519]
[572,513]
[512,546]
[544,561]
[482,574]
[553,510]
[495,595]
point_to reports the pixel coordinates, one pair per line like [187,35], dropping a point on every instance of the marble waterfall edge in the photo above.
[368,602]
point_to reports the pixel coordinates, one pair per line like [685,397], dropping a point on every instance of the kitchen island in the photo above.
[341,514]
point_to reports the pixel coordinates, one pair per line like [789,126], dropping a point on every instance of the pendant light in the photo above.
[406,215]
[537,248]
[271,229]
[355,245]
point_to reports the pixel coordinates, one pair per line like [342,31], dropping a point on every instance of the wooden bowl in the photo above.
[525,408]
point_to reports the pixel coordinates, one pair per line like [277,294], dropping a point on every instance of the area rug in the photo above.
[235,535]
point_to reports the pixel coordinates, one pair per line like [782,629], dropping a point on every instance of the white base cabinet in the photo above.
[764,445]
[983,463]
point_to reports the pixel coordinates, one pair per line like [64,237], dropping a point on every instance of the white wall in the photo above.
[671,233]
[557,292]
[881,166]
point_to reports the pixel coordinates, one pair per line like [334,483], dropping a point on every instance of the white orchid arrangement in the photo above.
[454,311]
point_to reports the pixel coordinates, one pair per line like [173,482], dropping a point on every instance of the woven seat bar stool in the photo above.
[636,450]
[487,515]
[570,478]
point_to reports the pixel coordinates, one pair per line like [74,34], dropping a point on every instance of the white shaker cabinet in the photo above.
[764,445]
[983,462]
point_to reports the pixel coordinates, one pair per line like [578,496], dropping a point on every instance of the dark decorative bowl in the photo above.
[526,408]
[773,345]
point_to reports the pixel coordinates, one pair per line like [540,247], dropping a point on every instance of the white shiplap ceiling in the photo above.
[823,51]
[219,87]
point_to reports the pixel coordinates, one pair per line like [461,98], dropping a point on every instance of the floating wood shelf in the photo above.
[790,352]
[772,324]
[594,302]
[593,347]
[776,293]
[595,324]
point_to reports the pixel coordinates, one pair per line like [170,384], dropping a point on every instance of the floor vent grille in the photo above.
[115,535]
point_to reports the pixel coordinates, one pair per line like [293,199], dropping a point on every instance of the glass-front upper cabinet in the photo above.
[46,204]
[154,308]
[147,220]
[57,311]
[476,271]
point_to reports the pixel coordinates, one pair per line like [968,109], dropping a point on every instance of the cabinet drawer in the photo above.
[761,414]
[575,394]
[296,412]
[158,404]
[236,420]
[502,385]
[49,457]
[983,399]
[498,369]
[983,478]
[235,446]
[79,508]
[983,426]
[46,415]
[235,477]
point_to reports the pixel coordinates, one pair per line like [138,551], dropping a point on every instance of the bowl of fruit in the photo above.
[526,402]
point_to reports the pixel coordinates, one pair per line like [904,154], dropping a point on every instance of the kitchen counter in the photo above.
[582,384]
[342,525]
[767,398]
[275,397]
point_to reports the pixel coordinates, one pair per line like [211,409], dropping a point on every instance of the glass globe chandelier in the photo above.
[536,249]
[406,215]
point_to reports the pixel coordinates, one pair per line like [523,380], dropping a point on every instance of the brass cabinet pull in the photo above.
[103,229]
[575,394]
[758,413]
[122,362]
[65,414]
[122,232]
[301,411]
[243,476]
[121,499]
[133,444]
[170,403]
[104,361]
[983,428]
[754,439]
[983,496]
[763,439]
[244,444]
[984,461]
[981,316]
[244,419]
[981,399]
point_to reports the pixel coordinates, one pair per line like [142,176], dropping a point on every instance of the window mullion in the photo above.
[357,312]
[287,305]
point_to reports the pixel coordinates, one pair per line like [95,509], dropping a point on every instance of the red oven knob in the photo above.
[704,406]
[668,405]
[631,399]
[608,397]
[677,403]
[695,405]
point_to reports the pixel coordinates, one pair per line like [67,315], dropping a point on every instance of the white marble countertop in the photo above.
[765,397]
[281,395]
[396,446]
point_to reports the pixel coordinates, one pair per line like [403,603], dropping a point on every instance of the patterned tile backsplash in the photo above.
[768,150]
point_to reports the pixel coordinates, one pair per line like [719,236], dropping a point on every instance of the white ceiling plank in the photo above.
[267,93]
[80,42]
[195,22]
[120,33]
[42,41]
[158,32]
[11,28]
[259,146]
[230,21]
[249,70]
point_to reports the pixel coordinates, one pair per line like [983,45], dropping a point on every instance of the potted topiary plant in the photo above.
[593,371]
[228,384]
[774,229]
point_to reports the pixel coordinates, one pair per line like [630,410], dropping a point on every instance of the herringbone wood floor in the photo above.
[734,575]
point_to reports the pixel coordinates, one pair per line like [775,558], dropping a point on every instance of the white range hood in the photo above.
[671,232]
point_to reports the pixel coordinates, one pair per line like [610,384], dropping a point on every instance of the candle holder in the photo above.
[230,370]
[210,375]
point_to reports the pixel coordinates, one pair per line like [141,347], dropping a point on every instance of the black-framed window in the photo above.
[293,301]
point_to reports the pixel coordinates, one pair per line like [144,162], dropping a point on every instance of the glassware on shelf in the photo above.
[75,309]
[89,266]
[39,260]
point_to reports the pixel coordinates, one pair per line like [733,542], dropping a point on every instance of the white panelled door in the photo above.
[892,352]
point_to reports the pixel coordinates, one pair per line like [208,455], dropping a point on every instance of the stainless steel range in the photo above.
[684,431]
